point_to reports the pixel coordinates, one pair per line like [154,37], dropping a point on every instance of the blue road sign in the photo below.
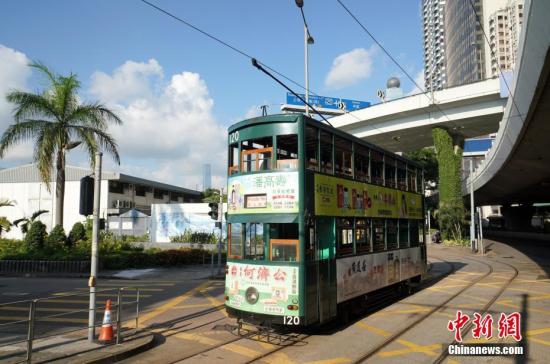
[327,102]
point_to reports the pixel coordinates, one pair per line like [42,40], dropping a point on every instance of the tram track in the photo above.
[445,353]
[421,319]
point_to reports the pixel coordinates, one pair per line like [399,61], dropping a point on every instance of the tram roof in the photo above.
[291,118]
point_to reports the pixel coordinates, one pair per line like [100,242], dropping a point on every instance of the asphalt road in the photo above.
[63,302]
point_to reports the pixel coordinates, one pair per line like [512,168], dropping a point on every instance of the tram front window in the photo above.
[284,243]
[235,240]
[254,241]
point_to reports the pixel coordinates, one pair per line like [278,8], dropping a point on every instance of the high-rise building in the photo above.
[433,13]
[464,44]
[206,176]
[503,32]
[456,51]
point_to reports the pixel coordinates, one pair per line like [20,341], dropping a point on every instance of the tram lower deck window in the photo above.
[378,235]
[254,241]
[235,240]
[362,235]
[344,228]
[284,243]
[391,234]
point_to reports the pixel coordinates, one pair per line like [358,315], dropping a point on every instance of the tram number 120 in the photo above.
[292,320]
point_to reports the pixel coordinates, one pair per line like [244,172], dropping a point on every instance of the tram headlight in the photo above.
[251,295]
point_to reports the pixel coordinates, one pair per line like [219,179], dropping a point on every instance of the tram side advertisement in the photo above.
[262,289]
[263,193]
[341,197]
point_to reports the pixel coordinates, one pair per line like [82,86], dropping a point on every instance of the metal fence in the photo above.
[30,327]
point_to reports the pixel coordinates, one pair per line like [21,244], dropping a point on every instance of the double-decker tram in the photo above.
[317,219]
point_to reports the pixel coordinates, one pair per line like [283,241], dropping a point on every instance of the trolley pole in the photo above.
[472,215]
[95,239]
[220,218]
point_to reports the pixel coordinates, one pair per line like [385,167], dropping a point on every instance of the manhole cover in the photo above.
[510,257]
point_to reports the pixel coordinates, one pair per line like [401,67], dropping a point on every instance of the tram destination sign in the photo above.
[324,102]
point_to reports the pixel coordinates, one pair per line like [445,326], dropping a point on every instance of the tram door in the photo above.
[326,261]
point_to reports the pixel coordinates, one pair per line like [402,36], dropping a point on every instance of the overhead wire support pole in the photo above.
[472,215]
[258,66]
[95,239]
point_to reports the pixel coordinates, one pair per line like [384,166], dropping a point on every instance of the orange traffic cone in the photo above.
[106,333]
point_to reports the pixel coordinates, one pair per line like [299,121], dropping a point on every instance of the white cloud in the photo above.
[419,79]
[349,68]
[14,73]
[169,131]
[129,81]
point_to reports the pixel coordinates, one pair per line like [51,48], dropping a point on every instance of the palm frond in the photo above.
[95,115]
[31,106]
[102,139]
[52,77]
[44,151]
[6,202]
[22,131]
[36,214]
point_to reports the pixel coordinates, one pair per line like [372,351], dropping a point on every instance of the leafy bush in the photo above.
[36,236]
[56,237]
[195,237]
[10,248]
[78,232]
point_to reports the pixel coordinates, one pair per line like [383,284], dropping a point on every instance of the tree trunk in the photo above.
[59,187]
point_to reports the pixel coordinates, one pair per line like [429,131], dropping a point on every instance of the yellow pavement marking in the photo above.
[214,301]
[172,303]
[45,319]
[265,345]
[278,358]
[112,295]
[63,301]
[428,349]
[507,303]
[539,341]
[239,349]
[199,305]
[331,361]
[373,329]
[197,338]
[108,284]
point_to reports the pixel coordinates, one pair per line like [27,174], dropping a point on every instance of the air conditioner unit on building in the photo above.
[119,204]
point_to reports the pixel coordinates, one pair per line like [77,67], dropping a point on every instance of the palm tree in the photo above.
[57,122]
[5,224]
[27,221]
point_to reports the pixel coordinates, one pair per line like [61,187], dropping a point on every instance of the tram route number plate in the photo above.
[255,201]
[292,320]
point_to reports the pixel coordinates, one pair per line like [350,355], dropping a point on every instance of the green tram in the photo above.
[317,220]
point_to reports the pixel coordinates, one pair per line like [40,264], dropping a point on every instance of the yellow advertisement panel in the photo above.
[340,197]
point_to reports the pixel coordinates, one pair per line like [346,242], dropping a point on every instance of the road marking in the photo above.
[198,305]
[428,349]
[42,309]
[507,303]
[127,289]
[278,358]
[331,361]
[172,303]
[198,338]
[214,301]
[130,285]
[373,329]
[111,295]
[239,349]
[45,319]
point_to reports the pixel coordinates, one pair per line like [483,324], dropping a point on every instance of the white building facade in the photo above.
[119,193]
[433,16]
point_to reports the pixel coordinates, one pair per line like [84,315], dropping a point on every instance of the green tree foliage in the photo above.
[57,122]
[27,221]
[451,206]
[5,224]
[78,232]
[56,237]
[427,158]
[212,195]
[36,236]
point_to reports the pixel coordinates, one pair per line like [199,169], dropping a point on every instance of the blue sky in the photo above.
[127,55]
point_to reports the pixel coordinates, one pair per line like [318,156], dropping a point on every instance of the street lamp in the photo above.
[308,39]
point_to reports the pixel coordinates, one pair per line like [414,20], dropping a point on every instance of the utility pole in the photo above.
[472,217]
[95,238]
[221,233]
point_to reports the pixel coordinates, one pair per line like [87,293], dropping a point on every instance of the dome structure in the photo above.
[393,82]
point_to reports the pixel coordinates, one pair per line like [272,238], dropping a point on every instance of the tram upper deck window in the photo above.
[342,155]
[403,234]
[287,151]
[284,243]
[254,241]
[361,163]
[257,154]
[419,185]
[377,167]
[312,148]
[401,176]
[235,240]
[411,174]
[362,235]
[378,235]
[326,152]
[233,159]
[389,176]
[344,238]
[391,234]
